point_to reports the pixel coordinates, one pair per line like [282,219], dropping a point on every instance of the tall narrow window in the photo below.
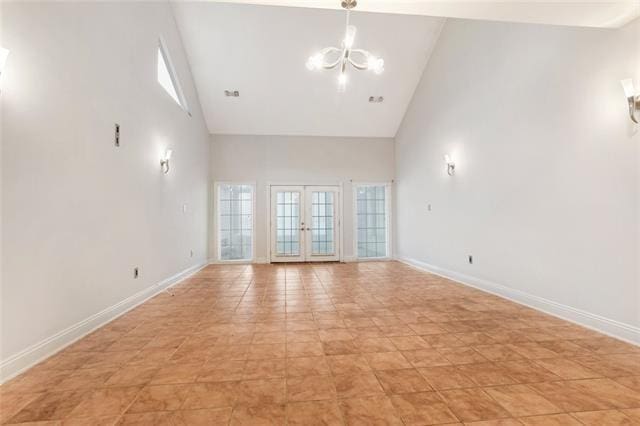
[372,221]
[235,221]
[167,77]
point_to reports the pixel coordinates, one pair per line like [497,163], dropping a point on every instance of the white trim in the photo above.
[388,186]
[613,328]
[40,351]
[216,221]
[231,262]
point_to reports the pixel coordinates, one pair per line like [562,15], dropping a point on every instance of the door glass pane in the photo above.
[288,223]
[372,224]
[235,221]
[322,243]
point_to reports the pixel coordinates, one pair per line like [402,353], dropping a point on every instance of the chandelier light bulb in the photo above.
[376,64]
[310,65]
[350,36]
[315,62]
[342,82]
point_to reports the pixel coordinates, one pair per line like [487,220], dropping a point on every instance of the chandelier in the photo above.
[332,57]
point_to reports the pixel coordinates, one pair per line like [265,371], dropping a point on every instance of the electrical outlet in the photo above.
[428,207]
[136,273]
[117,135]
[470,259]
[190,253]
[184,208]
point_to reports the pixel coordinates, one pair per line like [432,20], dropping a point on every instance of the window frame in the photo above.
[218,222]
[166,56]
[388,219]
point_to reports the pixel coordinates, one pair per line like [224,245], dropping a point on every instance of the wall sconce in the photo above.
[164,162]
[633,98]
[451,166]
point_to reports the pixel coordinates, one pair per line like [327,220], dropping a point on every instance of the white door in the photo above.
[305,223]
[322,224]
[287,224]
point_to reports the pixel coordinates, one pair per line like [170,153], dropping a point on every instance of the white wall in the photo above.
[78,214]
[547,186]
[298,160]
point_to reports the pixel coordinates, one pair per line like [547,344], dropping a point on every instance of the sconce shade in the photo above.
[633,98]
[627,86]
[164,162]
[451,166]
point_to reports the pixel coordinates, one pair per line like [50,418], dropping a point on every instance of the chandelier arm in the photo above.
[358,66]
[362,52]
[329,50]
[331,65]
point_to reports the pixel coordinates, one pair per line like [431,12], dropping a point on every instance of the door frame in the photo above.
[340,215]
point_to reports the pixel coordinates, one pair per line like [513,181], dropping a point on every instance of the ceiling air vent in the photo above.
[232,93]
[376,99]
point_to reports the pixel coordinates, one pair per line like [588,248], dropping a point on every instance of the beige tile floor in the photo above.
[356,344]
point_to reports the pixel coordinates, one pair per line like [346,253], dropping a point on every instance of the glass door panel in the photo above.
[322,223]
[288,223]
[322,230]
[287,226]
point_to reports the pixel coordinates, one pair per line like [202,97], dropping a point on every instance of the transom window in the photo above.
[235,221]
[372,221]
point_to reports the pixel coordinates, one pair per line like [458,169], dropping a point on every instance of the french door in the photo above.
[305,223]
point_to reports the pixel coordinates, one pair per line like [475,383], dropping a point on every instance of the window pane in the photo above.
[225,222]
[287,223]
[322,223]
[164,77]
[371,221]
[236,221]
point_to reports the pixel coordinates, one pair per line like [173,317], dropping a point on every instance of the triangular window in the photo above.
[167,76]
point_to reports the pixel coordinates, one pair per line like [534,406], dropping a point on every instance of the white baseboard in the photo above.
[38,352]
[613,328]
[256,261]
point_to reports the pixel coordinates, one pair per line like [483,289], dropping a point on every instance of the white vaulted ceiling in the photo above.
[260,47]
[582,13]
[261,51]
